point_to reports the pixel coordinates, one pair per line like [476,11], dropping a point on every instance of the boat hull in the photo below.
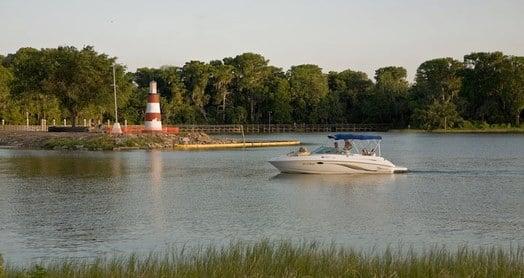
[335,164]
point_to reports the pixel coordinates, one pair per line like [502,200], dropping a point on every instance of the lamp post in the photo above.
[269,120]
[116,126]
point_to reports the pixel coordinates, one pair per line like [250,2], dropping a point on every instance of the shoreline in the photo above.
[88,141]
[85,141]
[458,131]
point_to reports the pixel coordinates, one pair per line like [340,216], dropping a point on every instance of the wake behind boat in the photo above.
[360,154]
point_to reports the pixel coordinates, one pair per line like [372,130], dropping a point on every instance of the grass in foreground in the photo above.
[284,259]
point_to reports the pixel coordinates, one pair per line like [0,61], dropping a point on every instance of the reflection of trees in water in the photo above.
[156,167]
[65,201]
[158,209]
[77,166]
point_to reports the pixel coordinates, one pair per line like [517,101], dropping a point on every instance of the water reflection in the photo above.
[464,189]
[58,201]
[56,164]
[338,180]
[158,208]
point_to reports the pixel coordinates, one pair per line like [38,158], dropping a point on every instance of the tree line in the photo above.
[71,83]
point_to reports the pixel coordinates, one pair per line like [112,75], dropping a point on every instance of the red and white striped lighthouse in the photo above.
[153,121]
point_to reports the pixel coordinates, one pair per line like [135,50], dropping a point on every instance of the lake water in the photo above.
[462,189]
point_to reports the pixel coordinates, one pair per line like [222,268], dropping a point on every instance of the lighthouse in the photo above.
[153,121]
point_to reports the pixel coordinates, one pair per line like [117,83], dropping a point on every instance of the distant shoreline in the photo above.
[471,131]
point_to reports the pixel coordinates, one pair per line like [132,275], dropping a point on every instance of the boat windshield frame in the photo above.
[361,144]
[323,149]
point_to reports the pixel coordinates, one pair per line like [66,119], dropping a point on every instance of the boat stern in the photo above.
[400,170]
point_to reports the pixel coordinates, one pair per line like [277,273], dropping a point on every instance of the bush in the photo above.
[468,125]
[437,115]
[483,125]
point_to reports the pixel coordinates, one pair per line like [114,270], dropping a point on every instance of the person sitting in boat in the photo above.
[347,146]
[302,151]
[365,151]
[336,146]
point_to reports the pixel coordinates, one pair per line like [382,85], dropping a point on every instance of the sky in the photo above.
[334,34]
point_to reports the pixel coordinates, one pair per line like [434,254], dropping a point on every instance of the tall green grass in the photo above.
[285,259]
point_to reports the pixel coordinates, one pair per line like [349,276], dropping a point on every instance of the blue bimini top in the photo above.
[349,136]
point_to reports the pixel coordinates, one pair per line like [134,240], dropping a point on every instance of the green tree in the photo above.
[9,108]
[78,80]
[331,110]
[175,102]
[221,78]
[514,92]
[387,101]
[351,89]
[195,75]
[134,110]
[281,100]
[166,77]
[439,114]
[492,87]
[251,73]
[6,76]
[308,86]
[275,97]
[437,85]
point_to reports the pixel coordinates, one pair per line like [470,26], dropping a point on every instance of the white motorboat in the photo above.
[360,154]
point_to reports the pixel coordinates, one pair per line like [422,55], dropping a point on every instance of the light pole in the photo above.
[269,121]
[116,127]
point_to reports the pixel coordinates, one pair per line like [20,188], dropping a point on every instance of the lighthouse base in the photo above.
[153,126]
[117,129]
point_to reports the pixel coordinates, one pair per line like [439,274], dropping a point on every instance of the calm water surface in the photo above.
[463,189]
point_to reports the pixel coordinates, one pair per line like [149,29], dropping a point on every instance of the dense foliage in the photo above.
[66,82]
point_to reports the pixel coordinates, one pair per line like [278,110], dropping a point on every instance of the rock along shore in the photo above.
[103,142]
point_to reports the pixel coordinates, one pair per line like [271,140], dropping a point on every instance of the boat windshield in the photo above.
[326,150]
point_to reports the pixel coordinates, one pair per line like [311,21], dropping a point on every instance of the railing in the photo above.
[229,129]
[281,128]
[211,129]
